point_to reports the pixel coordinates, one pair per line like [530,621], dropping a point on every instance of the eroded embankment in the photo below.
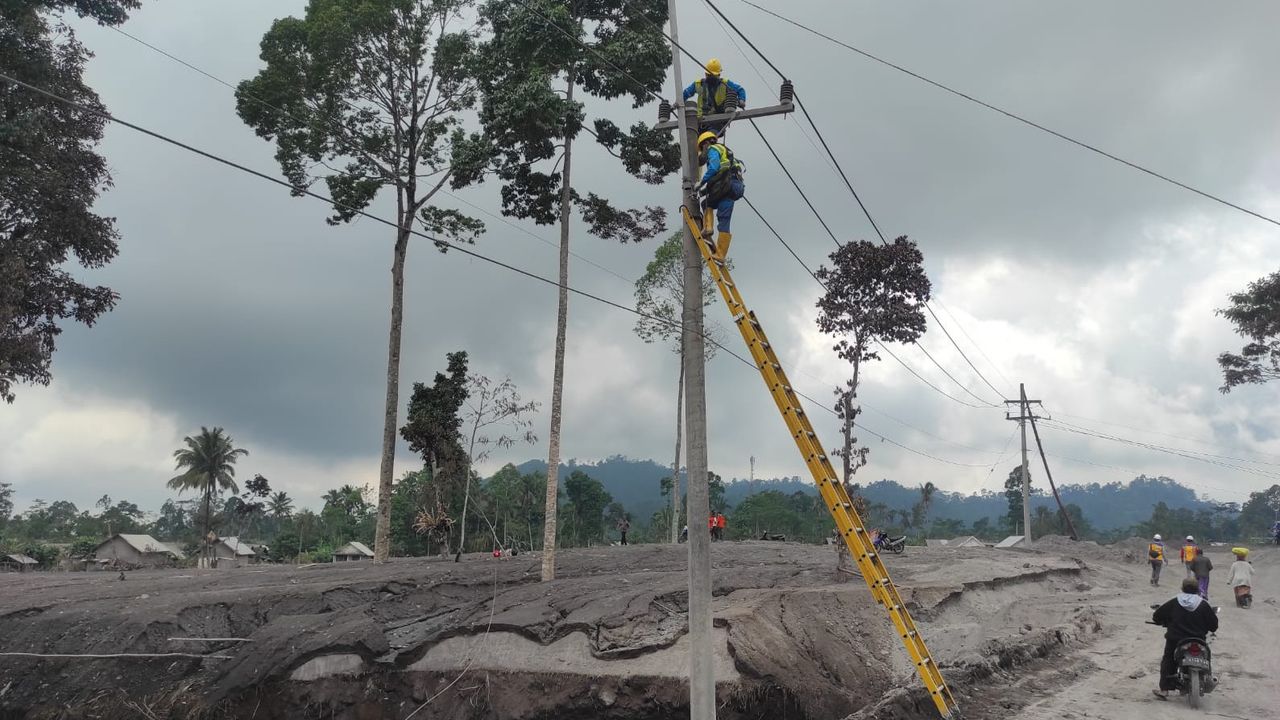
[486,641]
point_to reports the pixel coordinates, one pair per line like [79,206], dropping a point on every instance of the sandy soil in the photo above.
[1113,679]
[1050,633]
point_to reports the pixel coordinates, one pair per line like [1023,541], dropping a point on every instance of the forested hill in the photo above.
[636,484]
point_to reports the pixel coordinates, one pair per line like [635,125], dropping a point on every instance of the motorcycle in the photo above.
[1194,667]
[893,545]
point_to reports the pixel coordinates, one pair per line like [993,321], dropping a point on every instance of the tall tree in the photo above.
[587,501]
[373,93]
[874,294]
[927,492]
[50,177]
[1013,498]
[280,505]
[497,418]
[6,503]
[210,463]
[542,54]
[660,299]
[433,428]
[1255,313]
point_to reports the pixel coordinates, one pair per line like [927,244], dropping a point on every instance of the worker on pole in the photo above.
[712,92]
[721,186]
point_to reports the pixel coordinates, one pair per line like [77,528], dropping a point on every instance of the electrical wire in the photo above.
[1014,116]
[343,130]
[1157,448]
[439,242]
[862,205]
[478,208]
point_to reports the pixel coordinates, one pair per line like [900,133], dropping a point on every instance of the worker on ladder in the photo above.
[713,94]
[721,185]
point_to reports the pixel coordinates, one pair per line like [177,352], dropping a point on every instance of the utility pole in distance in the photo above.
[702,680]
[1024,414]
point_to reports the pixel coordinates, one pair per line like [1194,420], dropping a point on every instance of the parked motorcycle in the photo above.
[893,545]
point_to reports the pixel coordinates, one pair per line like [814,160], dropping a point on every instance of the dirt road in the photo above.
[1113,679]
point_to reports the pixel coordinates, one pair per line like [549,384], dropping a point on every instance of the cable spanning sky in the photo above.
[1087,280]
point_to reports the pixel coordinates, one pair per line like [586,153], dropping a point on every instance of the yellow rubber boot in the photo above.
[708,223]
[722,244]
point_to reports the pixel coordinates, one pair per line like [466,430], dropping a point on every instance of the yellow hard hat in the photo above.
[713,67]
[704,137]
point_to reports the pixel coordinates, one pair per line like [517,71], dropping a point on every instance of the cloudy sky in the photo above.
[1092,283]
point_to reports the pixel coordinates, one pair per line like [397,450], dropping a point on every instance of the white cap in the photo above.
[1156,536]
[1190,539]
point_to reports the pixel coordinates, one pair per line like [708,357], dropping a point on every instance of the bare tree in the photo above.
[660,297]
[493,406]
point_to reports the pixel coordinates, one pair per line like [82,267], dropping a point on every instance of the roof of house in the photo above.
[23,559]
[175,548]
[966,541]
[239,546]
[1011,541]
[143,544]
[354,548]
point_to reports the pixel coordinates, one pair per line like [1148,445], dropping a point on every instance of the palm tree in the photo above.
[209,459]
[281,505]
[926,500]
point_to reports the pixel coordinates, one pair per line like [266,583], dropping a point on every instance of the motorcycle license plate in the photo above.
[1194,662]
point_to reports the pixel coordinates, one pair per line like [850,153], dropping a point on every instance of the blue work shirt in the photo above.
[713,164]
[742,92]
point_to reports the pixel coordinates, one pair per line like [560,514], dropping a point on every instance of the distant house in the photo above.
[234,552]
[18,562]
[965,542]
[352,551]
[933,542]
[136,550]
[1012,541]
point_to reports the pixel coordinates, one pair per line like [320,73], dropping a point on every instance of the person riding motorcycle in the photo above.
[1187,616]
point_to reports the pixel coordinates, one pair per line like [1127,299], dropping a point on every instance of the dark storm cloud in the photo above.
[241,307]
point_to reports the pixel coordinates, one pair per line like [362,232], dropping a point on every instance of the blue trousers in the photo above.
[724,206]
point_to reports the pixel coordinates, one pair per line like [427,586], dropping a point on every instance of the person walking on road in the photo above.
[1155,553]
[624,527]
[1189,554]
[1241,578]
[1201,567]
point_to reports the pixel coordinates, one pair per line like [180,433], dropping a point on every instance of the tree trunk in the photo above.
[557,378]
[675,466]
[382,535]
[204,538]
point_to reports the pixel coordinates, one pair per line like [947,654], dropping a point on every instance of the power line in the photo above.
[1157,448]
[437,241]
[861,204]
[1184,438]
[956,320]
[883,347]
[338,126]
[1013,116]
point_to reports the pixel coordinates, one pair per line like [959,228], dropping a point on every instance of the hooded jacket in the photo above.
[1186,616]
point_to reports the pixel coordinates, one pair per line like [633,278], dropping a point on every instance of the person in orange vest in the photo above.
[713,527]
[720,525]
[1155,553]
[1189,554]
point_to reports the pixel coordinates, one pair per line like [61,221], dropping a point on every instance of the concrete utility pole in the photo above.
[702,674]
[1024,414]
[702,680]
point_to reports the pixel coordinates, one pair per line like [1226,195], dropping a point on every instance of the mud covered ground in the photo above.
[484,639]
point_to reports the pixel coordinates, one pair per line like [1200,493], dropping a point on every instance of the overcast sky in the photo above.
[1091,282]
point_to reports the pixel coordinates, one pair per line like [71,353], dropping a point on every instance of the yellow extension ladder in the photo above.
[833,493]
